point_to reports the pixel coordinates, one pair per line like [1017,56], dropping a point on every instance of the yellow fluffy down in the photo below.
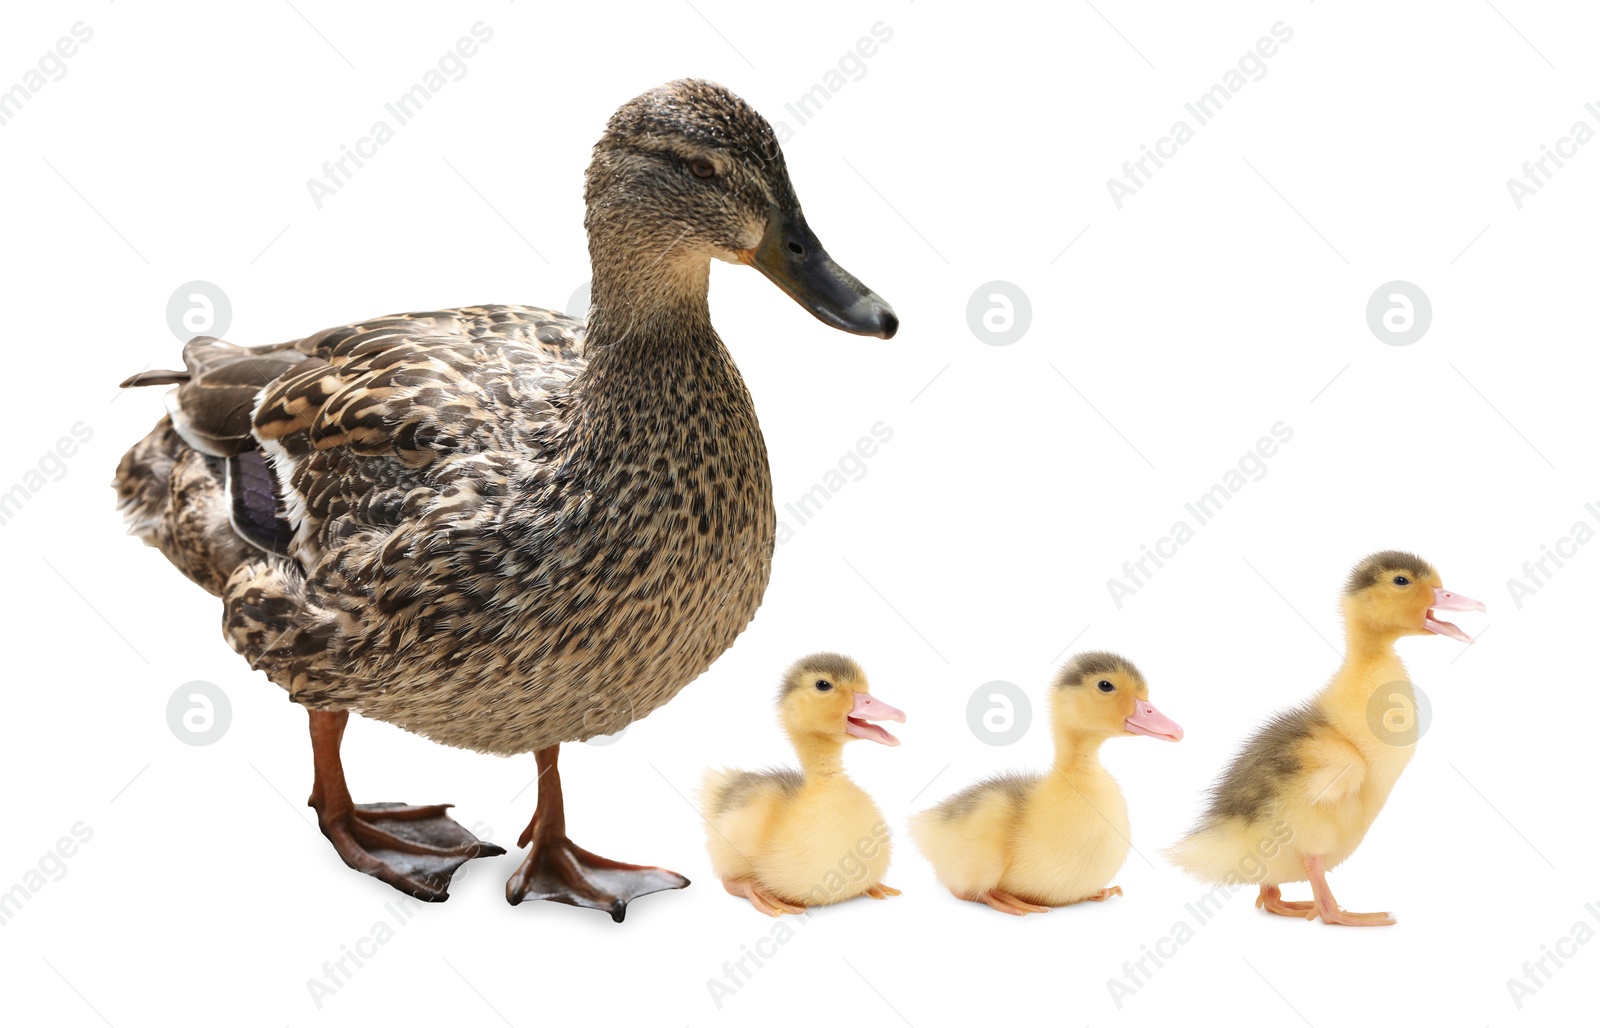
[1052,841]
[820,843]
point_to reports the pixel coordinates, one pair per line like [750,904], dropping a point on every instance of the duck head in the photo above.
[1393,593]
[1102,695]
[825,698]
[688,172]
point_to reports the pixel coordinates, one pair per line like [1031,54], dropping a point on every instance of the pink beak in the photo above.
[869,709]
[1147,720]
[1446,600]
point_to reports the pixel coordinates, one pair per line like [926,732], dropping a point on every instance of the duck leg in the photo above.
[414,849]
[1005,902]
[556,869]
[1271,900]
[1327,907]
[760,898]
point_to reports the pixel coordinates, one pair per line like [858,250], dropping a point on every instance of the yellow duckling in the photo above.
[1300,796]
[1026,843]
[784,838]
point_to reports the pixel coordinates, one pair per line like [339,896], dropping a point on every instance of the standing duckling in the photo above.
[1026,843]
[1300,796]
[784,838]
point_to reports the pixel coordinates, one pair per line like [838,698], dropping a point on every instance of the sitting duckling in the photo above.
[784,838]
[1026,843]
[1300,796]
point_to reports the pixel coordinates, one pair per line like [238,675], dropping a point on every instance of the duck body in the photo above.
[1025,843]
[501,527]
[787,839]
[486,550]
[806,839]
[1305,789]
[1049,840]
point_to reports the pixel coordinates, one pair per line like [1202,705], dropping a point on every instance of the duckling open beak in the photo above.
[790,255]
[869,709]
[1147,720]
[1445,600]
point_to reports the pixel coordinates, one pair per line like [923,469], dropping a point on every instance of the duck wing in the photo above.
[346,424]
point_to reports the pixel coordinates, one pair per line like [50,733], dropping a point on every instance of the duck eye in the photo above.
[1106,686]
[699,167]
[823,685]
[1401,580]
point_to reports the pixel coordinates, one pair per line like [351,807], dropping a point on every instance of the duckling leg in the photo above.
[760,898]
[1104,894]
[1328,908]
[882,891]
[1271,900]
[1005,902]
[556,869]
[420,848]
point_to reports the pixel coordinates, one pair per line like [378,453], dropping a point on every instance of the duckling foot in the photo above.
[763,900]
[1104,894]
[882,891]
[1006,903]
[556,869]
[1327,907]
[416,850]
[1271,900]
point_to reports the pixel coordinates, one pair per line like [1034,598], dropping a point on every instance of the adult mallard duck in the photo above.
[500,527]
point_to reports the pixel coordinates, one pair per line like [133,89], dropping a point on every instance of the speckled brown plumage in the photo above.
[509,530]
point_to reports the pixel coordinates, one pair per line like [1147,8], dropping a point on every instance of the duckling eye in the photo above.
[699,167]
[823,685]
[1401,580]
[1106,686]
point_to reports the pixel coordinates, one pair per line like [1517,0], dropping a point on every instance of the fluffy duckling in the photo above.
[1300,796]
[1026,843]
[783,838]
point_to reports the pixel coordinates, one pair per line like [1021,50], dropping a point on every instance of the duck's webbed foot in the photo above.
[882,891]
[1271,900]
[1006,903]
[1104,894]
[413,849]
[557,869]
[1328,908]
[760,898]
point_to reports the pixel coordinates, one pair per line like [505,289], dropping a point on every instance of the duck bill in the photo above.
[1147,720]
[1443,599]
[866,710]
[790,255]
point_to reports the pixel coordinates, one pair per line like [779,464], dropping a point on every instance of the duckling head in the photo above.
[826,697]
[1393,593]
[688,172]
[1103,695]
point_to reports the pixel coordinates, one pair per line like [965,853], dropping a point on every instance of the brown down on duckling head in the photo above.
[1102,693]
[688,172]
[827,695]
[1393,593]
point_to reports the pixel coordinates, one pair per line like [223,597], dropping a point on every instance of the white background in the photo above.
[1227,295]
